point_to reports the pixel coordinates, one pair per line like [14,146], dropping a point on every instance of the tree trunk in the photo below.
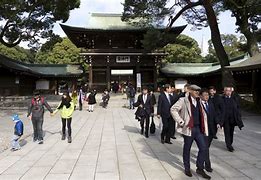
[227,78]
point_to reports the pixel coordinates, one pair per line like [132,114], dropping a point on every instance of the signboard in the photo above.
[138,80]
[122,59]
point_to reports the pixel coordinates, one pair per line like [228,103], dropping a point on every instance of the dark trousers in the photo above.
[173,130]
[229,133]
[198,136]
[167,128]
[38,128]
[145,120]
[69,121]
[80,105]
[208,140]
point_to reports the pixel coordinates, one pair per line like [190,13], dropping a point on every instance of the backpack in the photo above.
[19,128]
[34,102]
[152,127]
[132,92]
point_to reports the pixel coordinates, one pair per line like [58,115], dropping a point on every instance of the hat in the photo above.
[36,93]
[15,117]
[194,87]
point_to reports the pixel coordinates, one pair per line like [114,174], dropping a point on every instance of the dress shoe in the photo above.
[69,139]
[215,137]
[168,142]
[230,149]
[209,169]
[202,173]
[63,137]
[188,173]
[162,141]
[40,142]
[173,137]
[146,135]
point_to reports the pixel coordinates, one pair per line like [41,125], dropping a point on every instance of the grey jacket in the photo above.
[36,108]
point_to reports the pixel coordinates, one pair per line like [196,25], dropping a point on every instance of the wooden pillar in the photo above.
[108,78]
[90,76]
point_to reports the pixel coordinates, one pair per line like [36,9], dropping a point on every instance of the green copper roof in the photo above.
[43,70]
[249,64]
[194,69]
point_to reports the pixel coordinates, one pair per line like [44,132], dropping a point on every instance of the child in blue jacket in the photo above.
[18,132]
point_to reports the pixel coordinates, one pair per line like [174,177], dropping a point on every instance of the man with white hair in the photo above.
[231,117]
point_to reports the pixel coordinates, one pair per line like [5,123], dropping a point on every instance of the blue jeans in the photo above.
[198,136]
[131,100]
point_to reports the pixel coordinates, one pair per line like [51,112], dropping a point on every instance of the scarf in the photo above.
[191,121]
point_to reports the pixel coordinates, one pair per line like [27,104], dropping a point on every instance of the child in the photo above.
[36,114]
[18,132]
[91,100]
[66,108]
[105,98]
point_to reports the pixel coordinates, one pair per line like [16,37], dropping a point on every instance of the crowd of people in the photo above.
[196,113]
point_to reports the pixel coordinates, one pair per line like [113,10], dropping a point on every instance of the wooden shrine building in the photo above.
[113,49]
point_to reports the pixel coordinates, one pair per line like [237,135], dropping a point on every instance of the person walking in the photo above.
[66,108]
[144,102]
[131,95]
[80,98]
[91,100]
[36,114]
[231,117]
[165,102]
[74,98]
[105,98]
[18,132]
[192,124]
[176,97]
[209,108]
[216,99]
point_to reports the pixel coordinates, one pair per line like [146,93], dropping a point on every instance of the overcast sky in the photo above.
[80,16]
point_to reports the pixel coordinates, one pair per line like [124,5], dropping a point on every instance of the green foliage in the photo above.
[17,53]
[233,45]
[64,52]
[31,19]
[185,50]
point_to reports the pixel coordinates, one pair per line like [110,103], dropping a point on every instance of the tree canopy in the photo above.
[32,19]
[185,50]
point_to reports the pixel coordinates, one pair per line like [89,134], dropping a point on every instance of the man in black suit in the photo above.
[175,98]
[163,111]
[144,101]
[209,108]
[231,117]
[218,104]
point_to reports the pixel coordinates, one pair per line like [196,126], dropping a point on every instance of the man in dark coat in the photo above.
[216,99]
[163,111]
[176,97]
[231,117]
[209,108]
[144,102]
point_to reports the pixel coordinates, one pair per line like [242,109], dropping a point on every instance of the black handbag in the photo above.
[152,127]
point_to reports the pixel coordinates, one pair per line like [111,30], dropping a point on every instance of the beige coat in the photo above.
[181,111]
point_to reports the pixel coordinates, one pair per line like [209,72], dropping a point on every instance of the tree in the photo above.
[32,19]
[198,13]
[64,52]
[185,50]
[233,45]
[17,53]
[248,16]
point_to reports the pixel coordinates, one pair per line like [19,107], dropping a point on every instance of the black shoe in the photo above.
[230,149]
[141,131]
[69,139]
[215,137]
[188,173]
[202,173]
[173,137]
[162,141]
[63,137]
[209,169]
[146,135]
[168,142]
[40,142]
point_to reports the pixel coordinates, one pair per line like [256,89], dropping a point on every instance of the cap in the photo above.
[15,117]
[194,87]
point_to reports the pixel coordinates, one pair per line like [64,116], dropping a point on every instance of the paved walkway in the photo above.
[107,145]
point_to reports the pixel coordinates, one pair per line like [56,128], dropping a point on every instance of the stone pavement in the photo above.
[107,145]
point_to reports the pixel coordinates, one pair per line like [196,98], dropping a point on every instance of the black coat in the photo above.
[218,103]
[236,113]
[91,98]
[147,106]
[212,120]
[164,106]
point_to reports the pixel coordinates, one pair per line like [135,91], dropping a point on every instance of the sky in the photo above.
[80,16]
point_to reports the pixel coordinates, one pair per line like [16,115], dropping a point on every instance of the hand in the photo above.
[218,126]
[30,117]
[141,106]
[158,116]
